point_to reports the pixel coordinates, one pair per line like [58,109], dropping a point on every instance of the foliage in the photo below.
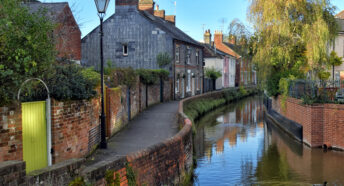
[323,75]
[26,48]
[163,59]
[293,38]
[242,90]
[121,76]
[68,83]
[150,77]
[109,178]
[334,60]
[78,181]
[161,73]
[198,107]
[212,73]
[131,177]
[91,75]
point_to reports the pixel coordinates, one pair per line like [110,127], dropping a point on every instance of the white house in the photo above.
[338,47]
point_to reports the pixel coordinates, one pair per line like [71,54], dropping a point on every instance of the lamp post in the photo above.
[101,8]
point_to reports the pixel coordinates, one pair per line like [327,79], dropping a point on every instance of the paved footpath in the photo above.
[150,127]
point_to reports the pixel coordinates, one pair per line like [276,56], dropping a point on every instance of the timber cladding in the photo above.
[323,124]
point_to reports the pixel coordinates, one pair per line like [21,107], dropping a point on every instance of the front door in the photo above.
[193,86]
[34,135]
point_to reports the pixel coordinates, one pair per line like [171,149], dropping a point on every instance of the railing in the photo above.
[316,90]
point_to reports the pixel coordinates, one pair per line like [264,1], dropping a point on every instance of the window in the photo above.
[177,86]
[198,80]
[188,55]
[197,57]
[125,50]
[188,86]
[177,56]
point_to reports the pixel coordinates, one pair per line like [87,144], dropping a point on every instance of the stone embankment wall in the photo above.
[323,124]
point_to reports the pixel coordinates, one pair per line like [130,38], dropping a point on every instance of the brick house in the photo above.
[225,63]
[136,34]
[67,34]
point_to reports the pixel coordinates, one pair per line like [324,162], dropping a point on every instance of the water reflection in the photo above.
[234,146]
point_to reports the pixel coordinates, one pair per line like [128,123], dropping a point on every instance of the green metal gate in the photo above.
[34,135]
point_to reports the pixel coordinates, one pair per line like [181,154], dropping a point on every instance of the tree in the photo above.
[26,47]
[333,61]
[213,74]
[293,37]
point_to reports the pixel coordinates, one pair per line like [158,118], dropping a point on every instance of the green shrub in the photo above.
[148,76]
[163,59]
[26,48]
[121,76]
[91,75]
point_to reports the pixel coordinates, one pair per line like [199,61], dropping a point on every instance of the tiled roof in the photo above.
[53,9]
[211,52]
[169,28]
[340,15]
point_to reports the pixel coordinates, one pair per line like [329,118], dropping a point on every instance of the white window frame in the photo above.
[188,55]
[177,54]
[177,86]
[125,46]
[197,57]
[188,86]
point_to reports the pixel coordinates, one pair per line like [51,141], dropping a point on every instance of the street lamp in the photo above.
[101,8]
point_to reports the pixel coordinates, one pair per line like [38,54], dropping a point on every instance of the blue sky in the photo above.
[192,15]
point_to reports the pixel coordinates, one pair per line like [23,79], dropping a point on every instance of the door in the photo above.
[34,135]
[193,86]
[183,88]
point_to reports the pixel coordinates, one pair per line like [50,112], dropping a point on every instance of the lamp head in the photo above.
[102,5]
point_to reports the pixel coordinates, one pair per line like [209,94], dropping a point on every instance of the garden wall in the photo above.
[323,124]
[11,146]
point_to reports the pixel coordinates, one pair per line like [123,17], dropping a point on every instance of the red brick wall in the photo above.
[322,124]
[71,123]
[68,36]
[11,146]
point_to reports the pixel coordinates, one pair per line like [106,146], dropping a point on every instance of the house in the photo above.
[67,34]
[219,60]
[136,34]
[338,47]
[245,74]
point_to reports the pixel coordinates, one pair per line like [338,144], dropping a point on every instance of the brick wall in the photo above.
[322,123]
[72,126]
[11,146]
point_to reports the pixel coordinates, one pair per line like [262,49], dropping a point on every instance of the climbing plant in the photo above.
[163,59]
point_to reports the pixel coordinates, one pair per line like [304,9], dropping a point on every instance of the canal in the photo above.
[235,146]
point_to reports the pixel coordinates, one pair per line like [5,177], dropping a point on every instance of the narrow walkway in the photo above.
[150,127]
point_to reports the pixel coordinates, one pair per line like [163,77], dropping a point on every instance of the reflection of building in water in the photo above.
[238,115]
[220,146]
[232,117]
[260,124]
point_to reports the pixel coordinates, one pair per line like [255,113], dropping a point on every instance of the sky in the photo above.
[192,16]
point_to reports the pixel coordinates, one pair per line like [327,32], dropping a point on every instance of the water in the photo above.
[234,146]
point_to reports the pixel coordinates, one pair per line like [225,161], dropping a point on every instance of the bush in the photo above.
[163,59]
[121,76]
[91,75]
[65,82]
[147,76]
[26,48]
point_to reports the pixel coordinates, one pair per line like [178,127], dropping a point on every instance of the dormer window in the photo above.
[125,50]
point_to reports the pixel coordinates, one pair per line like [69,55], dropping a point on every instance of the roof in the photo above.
[169,28]
[53,9]
[340,15]
[209,51]
[235,48]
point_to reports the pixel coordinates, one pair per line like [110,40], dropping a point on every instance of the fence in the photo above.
[316,90]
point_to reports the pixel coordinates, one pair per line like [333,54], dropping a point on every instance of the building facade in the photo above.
[221,61]
[136,34]
[338,47]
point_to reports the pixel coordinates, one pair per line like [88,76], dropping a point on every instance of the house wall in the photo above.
[68,36]
[218,64]
[127,26]
[182,68]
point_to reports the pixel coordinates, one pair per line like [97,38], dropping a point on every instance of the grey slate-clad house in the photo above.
[136,34]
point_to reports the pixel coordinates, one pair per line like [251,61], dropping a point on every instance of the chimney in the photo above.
[171,19]
[218,38]
[159,13]
[207,37]
[126,2]
[147,5]
[232,39]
